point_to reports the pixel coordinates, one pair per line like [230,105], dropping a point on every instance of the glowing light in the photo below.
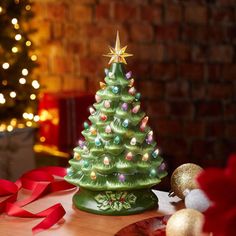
[36,118]
[13,122]
[18,37]
[16,26]
[3,127]
[25,72]
[32,96]
[14,21]
[4,82]
[29,123]
[13,94]
[25,115]
[35,84]
[14,49]
[2,99]
[20,126]
[42,139]
[0,9]
[28,43]
[9,128]
[22,80]
[5,65]
[34,57]
[30,116]
[27,7]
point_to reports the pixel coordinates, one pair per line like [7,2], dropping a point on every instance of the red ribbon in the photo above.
[41,182]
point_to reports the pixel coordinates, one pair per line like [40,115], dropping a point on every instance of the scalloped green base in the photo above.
[115,202]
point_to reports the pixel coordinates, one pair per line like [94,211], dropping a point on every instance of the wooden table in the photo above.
[77,222]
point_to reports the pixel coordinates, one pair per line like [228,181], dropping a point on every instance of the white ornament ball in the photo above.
[196,199]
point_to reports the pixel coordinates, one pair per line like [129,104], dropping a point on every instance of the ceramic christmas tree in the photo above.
[118,162]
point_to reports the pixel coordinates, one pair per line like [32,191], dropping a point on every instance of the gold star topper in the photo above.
[118,54]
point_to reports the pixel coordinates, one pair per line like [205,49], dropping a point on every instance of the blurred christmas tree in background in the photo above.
[19,89]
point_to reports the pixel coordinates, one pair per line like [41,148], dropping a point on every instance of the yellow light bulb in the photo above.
[29,123]
[12,94]
[34,58]
[28,43]
[22,80]
[1,9]
[14,21]
[13,122]
[25,72]
[35,84]
[27,7]
[42,139]
[5,65]
[32,96]
[14,49]
[16,26]
[18,37]
[3,127]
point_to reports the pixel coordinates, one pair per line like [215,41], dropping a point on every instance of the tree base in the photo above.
[115,202]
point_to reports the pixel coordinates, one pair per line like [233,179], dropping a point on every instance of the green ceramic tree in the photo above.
[118,162]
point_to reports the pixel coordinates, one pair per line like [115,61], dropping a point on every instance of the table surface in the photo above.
[77,222]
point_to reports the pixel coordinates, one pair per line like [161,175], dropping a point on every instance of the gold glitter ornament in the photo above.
[184,177]
[185,222]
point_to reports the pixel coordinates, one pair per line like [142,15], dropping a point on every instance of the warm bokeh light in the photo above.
[25,72]
[34,58]
[18,37]
[22,80]
[29,123]
[14,49]
[27,7]
[25,115]
[42,139]
[16,26]
[13,94]
[35,84]
[36,118]
[5,65]
[9,128]
[32,96]
[28,43]
[14,21]
[2,99]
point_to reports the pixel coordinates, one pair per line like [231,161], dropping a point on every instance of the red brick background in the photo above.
[184,63]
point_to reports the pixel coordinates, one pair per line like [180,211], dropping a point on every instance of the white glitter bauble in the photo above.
[196,199]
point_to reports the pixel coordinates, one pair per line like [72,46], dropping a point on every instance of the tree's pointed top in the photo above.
[117,46]
[118,54]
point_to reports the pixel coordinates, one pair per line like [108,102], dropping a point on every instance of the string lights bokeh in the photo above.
[19,89]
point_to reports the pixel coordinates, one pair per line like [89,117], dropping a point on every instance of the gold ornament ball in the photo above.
[185,222]
[184,177]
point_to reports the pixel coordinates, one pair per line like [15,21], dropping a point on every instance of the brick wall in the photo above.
[184,64]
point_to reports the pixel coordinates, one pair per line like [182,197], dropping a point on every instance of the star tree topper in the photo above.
[118,54]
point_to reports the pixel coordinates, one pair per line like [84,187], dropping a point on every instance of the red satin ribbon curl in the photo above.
[41,182]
